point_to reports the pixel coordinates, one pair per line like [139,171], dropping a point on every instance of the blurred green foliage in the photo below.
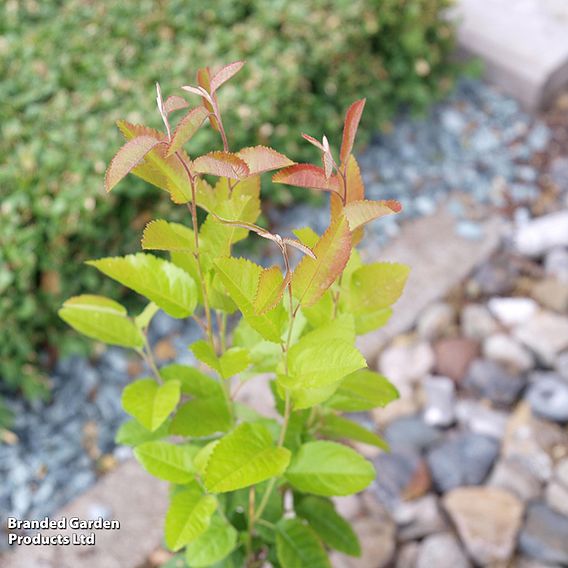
[71,68]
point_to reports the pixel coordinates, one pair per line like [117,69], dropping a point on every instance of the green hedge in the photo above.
[70,69]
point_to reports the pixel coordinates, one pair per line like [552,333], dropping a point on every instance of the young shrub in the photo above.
[231,468]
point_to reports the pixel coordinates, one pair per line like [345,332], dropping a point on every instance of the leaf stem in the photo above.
[148,356]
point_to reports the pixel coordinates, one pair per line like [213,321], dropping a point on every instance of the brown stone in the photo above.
[419,484]
[552,294]
[454,356]
[487,519]
[134,368]
[164,350]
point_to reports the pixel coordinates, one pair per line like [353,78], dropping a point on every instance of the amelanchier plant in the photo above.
[248,489]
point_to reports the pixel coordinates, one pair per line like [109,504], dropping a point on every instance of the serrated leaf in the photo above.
[207,413]
[175,102]
[364,323]
[167,461]
[307,236]
[232,362]
[241,277]
[216,543]
[222,164]
[262,159]
[244,457]
[271,286]
[102,319]
[186,128]
[162,282]
[204,81]
[359,213]
[337,428]
[224,74]
[308,397]
[309,176]
[188,516]
[150,403]
[127,158]
[333,529]
[363,390]
[350,126]
[376,286]
[163,235]
[202,458]
[328,469]
[132,433]
[164,172]
[313,277]
[143,319]
[297,546]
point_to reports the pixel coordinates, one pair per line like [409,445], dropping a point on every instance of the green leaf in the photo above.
[160,281]
[312,277]
[333,529]
[364,323]
[240,277]
[363,390]
[297,546]
[167,461]
[338,427]
[244,457]
[217,542]
[232,362]
[376,286]
[207,413]
[188,516]
[322,312]
[328,468]
[102,319]
[307,397]
[150,403]
[307,236]
[143,319]
[132,433]
[162,235]
[202,458]
[271,286]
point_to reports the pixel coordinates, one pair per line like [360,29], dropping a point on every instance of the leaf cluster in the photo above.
[247,488]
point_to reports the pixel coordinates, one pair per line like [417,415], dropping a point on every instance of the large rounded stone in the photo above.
[487,519]
[441,551]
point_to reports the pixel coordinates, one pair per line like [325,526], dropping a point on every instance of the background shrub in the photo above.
[69,69]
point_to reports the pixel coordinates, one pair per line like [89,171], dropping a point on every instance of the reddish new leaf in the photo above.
[350,126]
[204,81]
[307,175]
[127,158]
[224,74]
[355,190]
[175,102]
[222,164]
[186,128]
[312,277]
[360,213]
[300,246]
[263,159]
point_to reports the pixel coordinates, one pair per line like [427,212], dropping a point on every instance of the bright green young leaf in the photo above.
[337,428]
[163,235]
[321,313]
[333,529]
[188,263]
[150,403]
[307,236]
[132,433]
[217,542]
[313,277]
[102,319]
[241,277]
[271,286]
[192,381]
[307,397]
[328,468]
[143,319]
[167,461]
[188,517]
[244,457]
[165,284]
[297,546]
[232,362]
[363,390]
[376,286]
[202,458]
[364,323]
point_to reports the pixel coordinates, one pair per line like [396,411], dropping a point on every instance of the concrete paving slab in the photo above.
[524,44]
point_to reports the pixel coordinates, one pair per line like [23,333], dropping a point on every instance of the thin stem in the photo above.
[148,356]
[251,520]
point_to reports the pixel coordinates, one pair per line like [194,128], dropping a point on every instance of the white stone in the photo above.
[477,322]
[481,419]
[506,350]
[546,334]
[405,365]
[542,234]
[512,311]
[418,518]
[441,551]
[440,394]
[556,264]
[513,475]
[435,320]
